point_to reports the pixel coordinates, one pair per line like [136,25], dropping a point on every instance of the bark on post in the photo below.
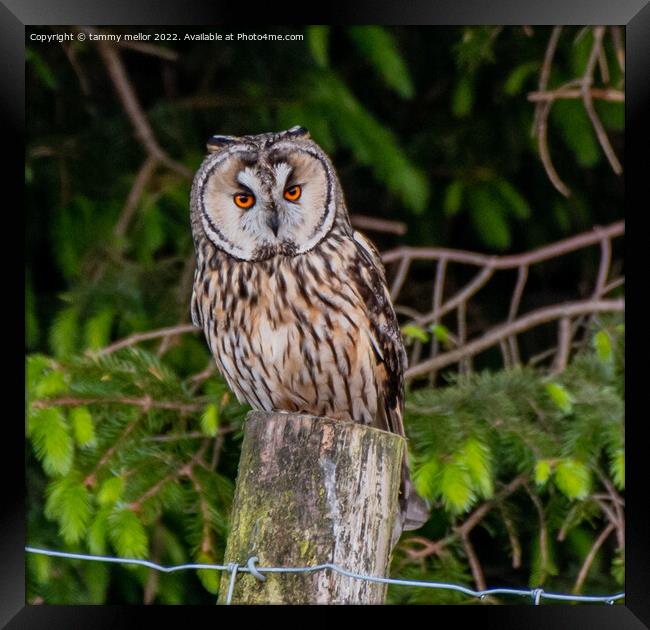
[312,490]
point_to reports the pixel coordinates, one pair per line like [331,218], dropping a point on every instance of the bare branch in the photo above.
[511,261]
[543,532]
[582,88]
[545,72]
[522,276]
[463,530]
[602,94]
[373,224]
[131,340]
[544,152]
[535,318]
[151,49]
[586,565]
[71,54]
[461,297]
[587,100]
[126,93]
[475,565]
[398,282]
[466,362]
[603,268]
[138,187]
[563,345]
[91,477]
[438,290]
[618,46]
[515,545]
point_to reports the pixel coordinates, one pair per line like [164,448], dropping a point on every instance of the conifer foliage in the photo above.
[127,447]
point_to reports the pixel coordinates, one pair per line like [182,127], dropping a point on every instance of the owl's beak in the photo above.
[273,221]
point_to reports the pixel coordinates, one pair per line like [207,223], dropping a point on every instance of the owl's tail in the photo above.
[413,511]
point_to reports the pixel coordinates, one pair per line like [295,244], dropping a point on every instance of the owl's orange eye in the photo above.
[244,200]
[293,193]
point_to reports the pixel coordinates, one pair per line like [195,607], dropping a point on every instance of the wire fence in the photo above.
[535,595]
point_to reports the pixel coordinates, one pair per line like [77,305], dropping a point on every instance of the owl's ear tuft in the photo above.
[298,132]
[215,143]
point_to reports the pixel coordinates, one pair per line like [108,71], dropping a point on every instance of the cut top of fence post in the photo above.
[314,490]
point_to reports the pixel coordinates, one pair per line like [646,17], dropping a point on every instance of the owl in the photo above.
[292,300]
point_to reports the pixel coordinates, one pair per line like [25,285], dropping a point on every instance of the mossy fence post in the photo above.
[313,490]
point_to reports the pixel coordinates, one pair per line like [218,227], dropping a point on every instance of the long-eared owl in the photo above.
[293,302]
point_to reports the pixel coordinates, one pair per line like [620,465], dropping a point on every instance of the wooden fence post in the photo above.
[312,490]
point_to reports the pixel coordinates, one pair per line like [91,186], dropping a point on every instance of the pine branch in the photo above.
[146,403]
[91,478]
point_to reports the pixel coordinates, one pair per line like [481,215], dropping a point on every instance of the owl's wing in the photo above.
[195,307]
[385,334]
[391,365]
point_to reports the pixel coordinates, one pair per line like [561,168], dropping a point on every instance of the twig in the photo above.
[586,565]
[535,318]
[543,534]
[373,224]
[603,66]
[603,268]
[206,537]
[544,74]
[603,94]
[438,290]
[429,548]
[613,519]
[131,340]
[544,153]
[120,79]
[145,403]
[216,451]
[474,564]
[511,261]
[614,284]
[544,99]
[71,54]
[157,547]
[463,530]
[522,276]
[466,363]
[196,380]
[91,477]
[400,277]
[587,100]
[470,289]
[618,46]
[151,49]
[191,435]
[183,471]
[140,182]
[515,545]
[618,504]
[563,345]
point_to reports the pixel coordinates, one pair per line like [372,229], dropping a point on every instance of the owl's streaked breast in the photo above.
[291,333]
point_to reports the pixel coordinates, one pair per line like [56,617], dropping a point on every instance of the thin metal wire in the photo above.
[258,572]
[232,567]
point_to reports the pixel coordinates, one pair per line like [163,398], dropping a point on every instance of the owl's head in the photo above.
[258,196]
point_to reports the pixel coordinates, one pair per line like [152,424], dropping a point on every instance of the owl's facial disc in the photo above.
[260,202]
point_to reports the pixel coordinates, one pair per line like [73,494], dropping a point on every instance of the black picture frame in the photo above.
[15,15]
